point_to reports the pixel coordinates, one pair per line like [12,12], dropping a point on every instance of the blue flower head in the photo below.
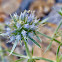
[21,26]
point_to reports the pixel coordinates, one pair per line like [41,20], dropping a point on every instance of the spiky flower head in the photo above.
[22,26]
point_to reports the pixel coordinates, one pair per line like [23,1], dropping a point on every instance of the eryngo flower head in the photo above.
[22,25]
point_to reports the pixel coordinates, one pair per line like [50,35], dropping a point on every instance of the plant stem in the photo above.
[27,50]
[41,58]
[52,38]
[57,28]
[55,32]
[49,37]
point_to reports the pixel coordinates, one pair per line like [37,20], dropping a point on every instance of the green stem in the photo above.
[58,26]
[57,41]
[57,29]
[41,58]
[49,37]
[57,54]
[53,36]
[27,50]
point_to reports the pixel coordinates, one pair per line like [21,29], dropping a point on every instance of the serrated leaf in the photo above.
[13,47]
[34,41]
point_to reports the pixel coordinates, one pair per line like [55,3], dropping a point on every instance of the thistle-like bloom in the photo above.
[21,26]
